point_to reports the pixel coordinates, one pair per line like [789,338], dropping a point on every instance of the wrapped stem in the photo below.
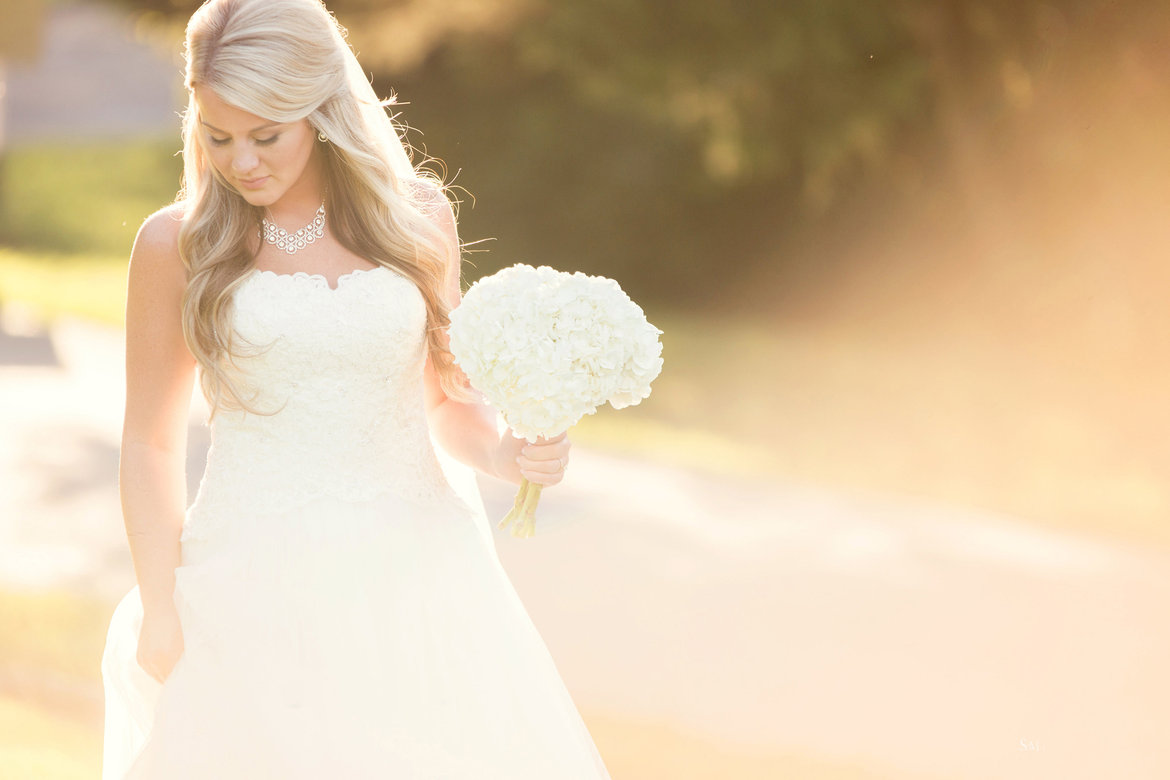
[517,505]
[522,515]
[526,526]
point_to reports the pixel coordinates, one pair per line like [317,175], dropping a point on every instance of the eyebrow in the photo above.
[225,132]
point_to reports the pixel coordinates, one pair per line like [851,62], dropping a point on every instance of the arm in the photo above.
[468,431]
[152,481]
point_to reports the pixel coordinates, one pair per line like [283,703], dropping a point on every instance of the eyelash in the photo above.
[259,141]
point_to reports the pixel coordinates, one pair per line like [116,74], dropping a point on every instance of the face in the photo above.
[263,160]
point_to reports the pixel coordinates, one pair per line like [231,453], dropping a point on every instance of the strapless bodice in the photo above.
[335,376]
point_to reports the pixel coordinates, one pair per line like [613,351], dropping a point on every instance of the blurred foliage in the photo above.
[765,92]
[655,142]
[84,198]
[674,144]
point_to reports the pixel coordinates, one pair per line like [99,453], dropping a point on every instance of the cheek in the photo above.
[289,159]
[282,157]
[299,154]
[219,159]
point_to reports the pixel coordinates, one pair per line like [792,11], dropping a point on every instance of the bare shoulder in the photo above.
[425,190]
[160,231]
[433,202]
[156,247]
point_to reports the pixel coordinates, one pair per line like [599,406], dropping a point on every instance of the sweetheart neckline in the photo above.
[324,280]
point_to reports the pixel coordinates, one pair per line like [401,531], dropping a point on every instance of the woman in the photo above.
[329,606]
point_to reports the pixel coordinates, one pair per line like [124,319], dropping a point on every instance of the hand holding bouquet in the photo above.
[547,347]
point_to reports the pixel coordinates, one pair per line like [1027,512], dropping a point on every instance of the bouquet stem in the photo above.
[523,512]
[517,505]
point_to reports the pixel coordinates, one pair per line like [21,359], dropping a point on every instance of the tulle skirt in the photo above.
[379,639]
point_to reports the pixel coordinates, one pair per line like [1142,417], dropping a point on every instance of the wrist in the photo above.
[156,603]
[159,611]
[503,460]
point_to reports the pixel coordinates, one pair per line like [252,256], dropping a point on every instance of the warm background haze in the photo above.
[907,252]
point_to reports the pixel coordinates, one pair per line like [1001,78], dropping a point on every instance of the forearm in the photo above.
[468,432]
[152,482]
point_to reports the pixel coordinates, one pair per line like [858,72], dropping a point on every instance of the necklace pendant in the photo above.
[291,243]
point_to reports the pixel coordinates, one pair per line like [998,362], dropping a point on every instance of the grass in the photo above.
[50,685]
[88,286]
[68,216]
[84,198]
[52,634]
[40,743]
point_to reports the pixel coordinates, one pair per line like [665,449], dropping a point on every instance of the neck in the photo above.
[293,217]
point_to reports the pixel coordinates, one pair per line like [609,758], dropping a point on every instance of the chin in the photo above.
[262,197]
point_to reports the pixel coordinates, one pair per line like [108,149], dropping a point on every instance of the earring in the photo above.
[322,137]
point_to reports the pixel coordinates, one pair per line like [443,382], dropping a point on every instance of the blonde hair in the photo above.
[288,60]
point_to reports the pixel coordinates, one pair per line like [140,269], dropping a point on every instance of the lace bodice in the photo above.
[338,373]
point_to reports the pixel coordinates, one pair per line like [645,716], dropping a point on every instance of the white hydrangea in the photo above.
[547,347]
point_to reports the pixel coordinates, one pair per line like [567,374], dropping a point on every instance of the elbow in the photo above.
[138,448]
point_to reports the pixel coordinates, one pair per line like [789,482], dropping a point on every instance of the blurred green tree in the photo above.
[20,38]
[671,142]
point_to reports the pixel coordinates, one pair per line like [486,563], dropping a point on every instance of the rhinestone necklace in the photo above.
[292,243]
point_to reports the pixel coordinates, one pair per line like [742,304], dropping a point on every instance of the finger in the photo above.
[554,466]
[553,452]
[543,472]
[542,478]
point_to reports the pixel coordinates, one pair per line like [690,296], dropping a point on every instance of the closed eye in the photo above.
[218,141]
[267,141]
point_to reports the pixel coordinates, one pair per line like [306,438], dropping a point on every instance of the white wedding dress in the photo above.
[344,613]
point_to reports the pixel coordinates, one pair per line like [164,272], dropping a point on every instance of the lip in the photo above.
[253,184]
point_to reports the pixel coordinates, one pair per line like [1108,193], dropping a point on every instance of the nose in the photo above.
[243,161]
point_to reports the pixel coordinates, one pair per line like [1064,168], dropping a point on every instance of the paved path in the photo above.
[926,640]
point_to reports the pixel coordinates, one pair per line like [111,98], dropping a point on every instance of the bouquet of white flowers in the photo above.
[547,347]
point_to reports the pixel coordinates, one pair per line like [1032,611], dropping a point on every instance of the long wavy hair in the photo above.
[288,60]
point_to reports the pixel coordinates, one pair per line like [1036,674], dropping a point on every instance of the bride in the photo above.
[331,604]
